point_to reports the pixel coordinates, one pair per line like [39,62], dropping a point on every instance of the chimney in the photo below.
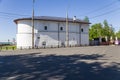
[74,18]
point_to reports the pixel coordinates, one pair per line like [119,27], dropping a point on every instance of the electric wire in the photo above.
[99,9]
[106,13]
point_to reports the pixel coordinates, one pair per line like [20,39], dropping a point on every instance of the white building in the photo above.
[51,31]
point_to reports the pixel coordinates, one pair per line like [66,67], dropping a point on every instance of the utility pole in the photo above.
[67,30]
[80,34]
[33,25]
[58,34]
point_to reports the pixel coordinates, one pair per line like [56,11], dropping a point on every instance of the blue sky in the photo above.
[96,10]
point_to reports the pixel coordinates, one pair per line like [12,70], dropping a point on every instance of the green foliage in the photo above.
[105,23]
[98,30]
[7,47]
[118,34]
[86,19]
[95,31]
[108,29]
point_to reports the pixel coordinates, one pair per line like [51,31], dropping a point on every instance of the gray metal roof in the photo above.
[50,18]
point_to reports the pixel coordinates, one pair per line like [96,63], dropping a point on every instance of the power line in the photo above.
[6,15]
[105,13]
[13,14]
[98,9]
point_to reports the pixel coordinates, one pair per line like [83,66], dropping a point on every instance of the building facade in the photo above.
[51,32]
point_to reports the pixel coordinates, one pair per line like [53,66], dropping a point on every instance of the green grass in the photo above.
[10,47]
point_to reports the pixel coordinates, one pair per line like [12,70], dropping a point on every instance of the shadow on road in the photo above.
[56,67]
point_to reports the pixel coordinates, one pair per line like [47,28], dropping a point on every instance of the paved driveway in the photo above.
[81,63]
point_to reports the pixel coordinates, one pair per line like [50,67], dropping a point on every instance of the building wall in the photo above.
[53,35]
[24,36]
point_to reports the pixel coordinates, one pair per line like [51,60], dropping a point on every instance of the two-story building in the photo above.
[51,31]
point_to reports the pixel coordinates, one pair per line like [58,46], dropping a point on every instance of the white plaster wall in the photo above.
[50,36]
[24,36]
[85,28]
[73,39]
[24,40]
[84,39]
[62,37]
[85,34]
[73,27]
[53,26]
[24,26]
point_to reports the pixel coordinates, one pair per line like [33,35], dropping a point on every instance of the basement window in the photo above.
[45,27]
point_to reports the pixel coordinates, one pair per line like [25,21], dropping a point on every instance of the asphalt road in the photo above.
[80,63]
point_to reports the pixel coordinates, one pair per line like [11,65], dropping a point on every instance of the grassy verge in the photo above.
[10,47]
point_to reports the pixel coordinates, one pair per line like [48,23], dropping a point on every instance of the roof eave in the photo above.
[16,20]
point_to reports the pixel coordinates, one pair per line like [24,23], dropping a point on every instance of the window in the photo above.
[38,37]
[82,30]
[45,27]
[61,28]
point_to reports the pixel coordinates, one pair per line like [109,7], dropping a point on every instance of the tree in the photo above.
[105,23]
[118,34]
[112,32]
[95,31]
[86,19]
[108,30]
[98,30]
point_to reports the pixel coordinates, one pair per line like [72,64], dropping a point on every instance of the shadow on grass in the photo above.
[55,67]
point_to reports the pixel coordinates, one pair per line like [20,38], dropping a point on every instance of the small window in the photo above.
[44,43]
[82,30]
[45,27]
[38,37]
[61,28]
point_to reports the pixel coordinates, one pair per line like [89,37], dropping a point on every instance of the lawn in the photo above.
[9,47]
